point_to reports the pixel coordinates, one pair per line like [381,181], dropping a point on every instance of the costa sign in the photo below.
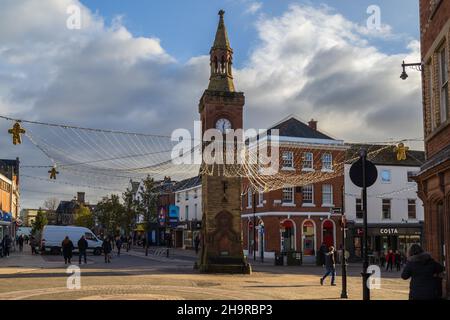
[388,231]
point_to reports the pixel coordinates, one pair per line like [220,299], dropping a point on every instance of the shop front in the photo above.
[385,237]
[5,224]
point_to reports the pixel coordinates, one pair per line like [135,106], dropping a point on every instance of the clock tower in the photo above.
[221,108]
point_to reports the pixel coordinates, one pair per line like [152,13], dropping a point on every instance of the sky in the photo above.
[142,66]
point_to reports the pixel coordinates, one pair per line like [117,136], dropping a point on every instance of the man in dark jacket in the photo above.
[107,248]
[330,264]
[82,247]
[426,281]
[6,245]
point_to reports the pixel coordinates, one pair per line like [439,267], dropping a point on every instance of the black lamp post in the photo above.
[416,66]
[254,226]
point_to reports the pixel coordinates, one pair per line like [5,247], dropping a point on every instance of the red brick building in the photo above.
[295,218]
[434,178]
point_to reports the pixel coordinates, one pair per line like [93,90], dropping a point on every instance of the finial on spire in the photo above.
[221,13]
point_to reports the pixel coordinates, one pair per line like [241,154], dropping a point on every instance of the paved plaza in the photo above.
[136,276]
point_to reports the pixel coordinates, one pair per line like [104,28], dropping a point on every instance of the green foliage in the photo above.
[84,217]
[109,214]
[148,205]
[39,223]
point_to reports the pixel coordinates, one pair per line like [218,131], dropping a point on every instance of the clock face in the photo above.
[223,125]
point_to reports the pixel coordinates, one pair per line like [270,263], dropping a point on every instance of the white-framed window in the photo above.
[359,209]
[386,176]
[308,194]
[288,195]
[327,194]
[308,160]
[386,208]
[178,197]
[186,195]
[249,198]
[443,81]
[186,213]
[261,198]
[288,159]
[412,214]
[327,161]
[431,94]
[195,211]
[195,193]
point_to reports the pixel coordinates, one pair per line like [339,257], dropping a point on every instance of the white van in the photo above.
[53,236]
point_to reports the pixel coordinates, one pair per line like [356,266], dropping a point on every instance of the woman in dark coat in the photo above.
[426,281]
[67,248]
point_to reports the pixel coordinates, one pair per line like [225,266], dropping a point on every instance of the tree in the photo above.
[148,205]
[38,224]
[84,217]
[51,204]
[109,213]
[130,210]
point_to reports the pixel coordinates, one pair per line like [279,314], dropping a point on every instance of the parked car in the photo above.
[52,237]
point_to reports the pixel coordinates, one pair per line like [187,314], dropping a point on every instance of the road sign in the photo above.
[356,173]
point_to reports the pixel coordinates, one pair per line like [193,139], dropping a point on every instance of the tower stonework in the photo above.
[221,107]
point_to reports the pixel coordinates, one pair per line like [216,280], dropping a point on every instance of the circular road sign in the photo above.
[356,173]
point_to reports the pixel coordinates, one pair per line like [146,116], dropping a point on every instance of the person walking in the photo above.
[390,260]
[196,243]
[323,250]
[67,248]
[21,242]
[106,246]
[118,245]
[425,274]
[33,245]
[129,242]
[382,259]
[6,245]
[330,265]
[82,248]
[398,260]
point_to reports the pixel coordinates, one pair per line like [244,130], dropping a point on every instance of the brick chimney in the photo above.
[81,197]
[313,124]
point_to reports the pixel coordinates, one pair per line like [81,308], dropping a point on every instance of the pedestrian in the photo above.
[323,250]
[196,243]
[390,260]
[67,249]
[118,245]
[382,259]
[33,245]
[26,239]
[330,264]
[106,246]
[129,242]
[6,245]
[82,248]
[21,243]
[144,242]
[425,274]
[398,260]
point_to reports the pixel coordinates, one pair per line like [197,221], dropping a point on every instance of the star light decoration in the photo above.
[401,150]
[16,131]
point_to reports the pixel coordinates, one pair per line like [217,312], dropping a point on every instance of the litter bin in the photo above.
[294,258]
[279,259]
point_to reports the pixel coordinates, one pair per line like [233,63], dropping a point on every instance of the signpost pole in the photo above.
[344,294]
[366,291]
[254,225]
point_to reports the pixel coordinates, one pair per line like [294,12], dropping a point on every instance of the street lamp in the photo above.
[416,66]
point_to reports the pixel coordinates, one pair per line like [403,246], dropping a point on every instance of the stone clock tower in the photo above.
[221,107]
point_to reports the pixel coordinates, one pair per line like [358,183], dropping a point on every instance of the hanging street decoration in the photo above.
[401,151]
[16,132]
[53,173]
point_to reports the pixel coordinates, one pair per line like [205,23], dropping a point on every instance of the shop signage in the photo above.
[174,214]
[388,231]
[162,216]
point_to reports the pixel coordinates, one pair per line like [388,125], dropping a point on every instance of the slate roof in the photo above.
[188,183]
[292,127]
[387,156]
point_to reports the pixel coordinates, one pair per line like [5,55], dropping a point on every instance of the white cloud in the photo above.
[254,7]
[309,61]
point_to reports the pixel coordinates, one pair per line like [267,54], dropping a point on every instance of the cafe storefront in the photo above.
[384,237]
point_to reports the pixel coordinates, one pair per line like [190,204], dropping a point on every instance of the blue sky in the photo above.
[186,28]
